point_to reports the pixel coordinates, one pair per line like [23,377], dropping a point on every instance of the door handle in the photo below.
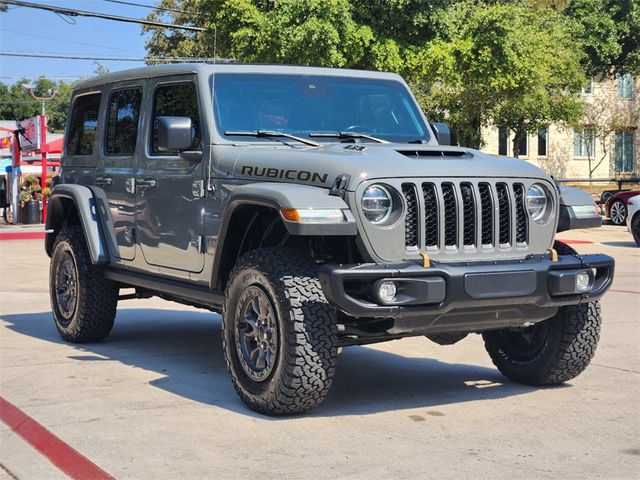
[146,183]
[103,181]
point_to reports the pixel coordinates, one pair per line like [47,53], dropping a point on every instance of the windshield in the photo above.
[313,104]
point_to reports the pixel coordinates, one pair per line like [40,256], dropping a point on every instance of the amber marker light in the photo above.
[310,215]
[291,214]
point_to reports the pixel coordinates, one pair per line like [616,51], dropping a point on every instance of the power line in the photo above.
[162,9]
[111,58]
[83,13]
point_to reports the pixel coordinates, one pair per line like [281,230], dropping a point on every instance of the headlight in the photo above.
[539,203]
[377,203]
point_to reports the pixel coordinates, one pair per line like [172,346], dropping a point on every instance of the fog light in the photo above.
[583,281]
[387,291]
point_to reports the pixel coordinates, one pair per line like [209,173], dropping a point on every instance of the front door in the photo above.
[170,218]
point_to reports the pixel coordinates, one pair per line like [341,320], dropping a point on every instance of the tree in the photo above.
[313,32]
[610,33]
[18,104]
[504,64]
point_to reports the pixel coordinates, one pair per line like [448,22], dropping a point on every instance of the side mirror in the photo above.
[173,134]
[442,132]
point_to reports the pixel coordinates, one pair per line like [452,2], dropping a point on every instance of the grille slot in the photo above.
[469,214]
[450,215]
[430,215]
[504,214]
[411,218]
[465,214]
[486,207]
[521,214]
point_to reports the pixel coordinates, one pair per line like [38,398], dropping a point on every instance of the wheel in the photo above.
[279,332]
[550,352]
[635,228]
[618,212]
[605,196]
[83,301]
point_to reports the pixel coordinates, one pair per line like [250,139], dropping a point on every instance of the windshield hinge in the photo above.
[340,185]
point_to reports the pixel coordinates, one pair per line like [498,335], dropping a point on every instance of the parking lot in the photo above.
[154,400]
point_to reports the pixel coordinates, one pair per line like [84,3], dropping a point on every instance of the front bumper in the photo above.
[467,296]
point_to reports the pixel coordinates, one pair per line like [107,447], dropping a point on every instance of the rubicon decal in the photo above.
[302,175]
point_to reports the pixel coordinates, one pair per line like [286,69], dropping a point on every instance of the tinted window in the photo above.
[503,141]
[301,105]
[522,145]
[624,152]
[583,143]
[84,121]
[122,122]
[542,142]
[176,100]
[624,85]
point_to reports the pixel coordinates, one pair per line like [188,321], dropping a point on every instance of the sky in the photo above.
[25,29]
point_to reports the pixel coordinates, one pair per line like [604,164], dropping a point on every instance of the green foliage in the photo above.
[609,31]
[18,104]
[506,64]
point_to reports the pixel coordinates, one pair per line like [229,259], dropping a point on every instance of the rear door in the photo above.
[170,220]
[119,165]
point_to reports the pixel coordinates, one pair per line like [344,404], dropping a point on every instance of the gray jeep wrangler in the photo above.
[315,209]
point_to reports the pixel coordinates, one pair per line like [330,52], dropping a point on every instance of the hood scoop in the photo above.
[433,153]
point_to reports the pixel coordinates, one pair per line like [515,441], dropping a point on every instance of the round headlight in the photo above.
[377,203]
[539,203]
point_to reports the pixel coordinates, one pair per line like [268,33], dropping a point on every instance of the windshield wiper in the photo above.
[271,133]
[347,135]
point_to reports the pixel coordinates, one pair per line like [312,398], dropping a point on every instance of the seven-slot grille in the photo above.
[445,215]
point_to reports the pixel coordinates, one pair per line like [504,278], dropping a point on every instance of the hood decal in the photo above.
[285,174]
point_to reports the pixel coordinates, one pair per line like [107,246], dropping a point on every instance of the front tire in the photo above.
[550,352]
[279,333]
[83,301]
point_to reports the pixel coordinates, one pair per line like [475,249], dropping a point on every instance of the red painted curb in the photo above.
[67,459]
[576,242]
[21,235]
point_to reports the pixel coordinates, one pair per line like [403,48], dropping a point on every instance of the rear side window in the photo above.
[83,126]
[176,100]
[122,122]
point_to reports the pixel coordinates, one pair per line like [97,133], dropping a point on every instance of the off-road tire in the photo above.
[307,353]
[97,297]
[567,348]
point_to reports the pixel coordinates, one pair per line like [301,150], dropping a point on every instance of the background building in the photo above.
[605,144]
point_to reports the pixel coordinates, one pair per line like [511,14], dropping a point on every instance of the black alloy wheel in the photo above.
[66,286]
[256,334]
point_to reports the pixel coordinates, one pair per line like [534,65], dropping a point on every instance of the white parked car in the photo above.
[633,217]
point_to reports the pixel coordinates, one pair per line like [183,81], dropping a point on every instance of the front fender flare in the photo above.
[286,195]
[65,196]
[276,196]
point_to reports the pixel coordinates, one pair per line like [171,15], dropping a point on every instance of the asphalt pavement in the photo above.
[154,400]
